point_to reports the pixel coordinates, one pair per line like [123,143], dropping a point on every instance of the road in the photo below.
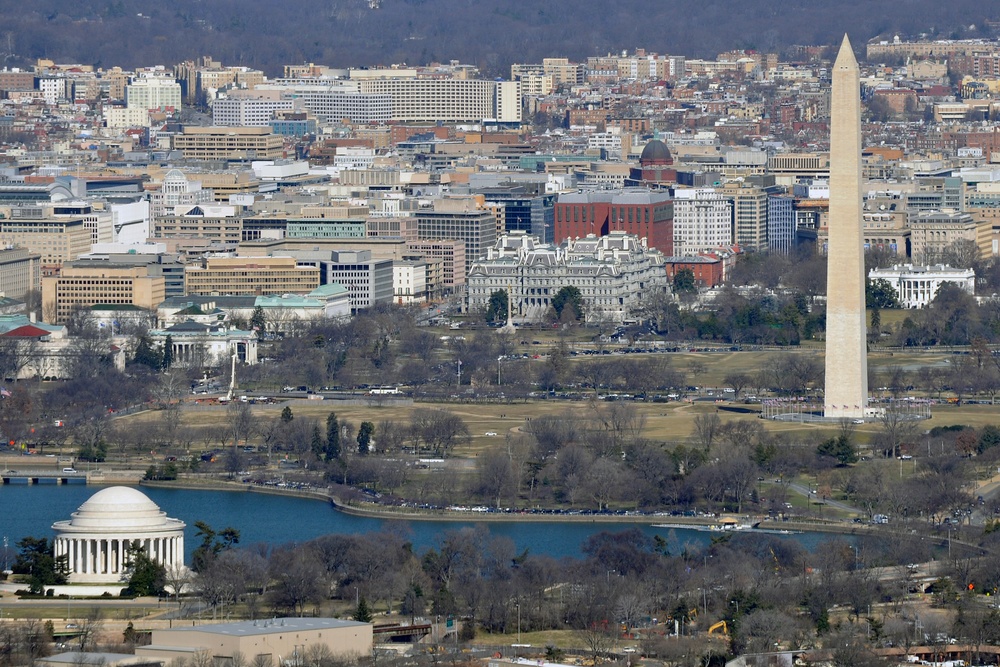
[813,498]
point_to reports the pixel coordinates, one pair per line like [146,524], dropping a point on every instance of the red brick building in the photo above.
[708,271]
[645,213]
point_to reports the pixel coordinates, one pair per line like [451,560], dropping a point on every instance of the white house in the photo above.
[916,286]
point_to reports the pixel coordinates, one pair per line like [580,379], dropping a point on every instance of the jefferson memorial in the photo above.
[97,537]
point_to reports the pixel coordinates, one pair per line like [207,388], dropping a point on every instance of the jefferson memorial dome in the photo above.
[97,538]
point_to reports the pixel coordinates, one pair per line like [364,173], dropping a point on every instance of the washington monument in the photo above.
[846,353]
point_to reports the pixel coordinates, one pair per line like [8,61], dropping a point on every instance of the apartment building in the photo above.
[251,276]
[239,112]
[153,93]
[336,106]
[79,287]
[229,143]
[448,100]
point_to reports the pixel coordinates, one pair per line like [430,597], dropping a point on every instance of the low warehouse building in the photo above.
[275,642]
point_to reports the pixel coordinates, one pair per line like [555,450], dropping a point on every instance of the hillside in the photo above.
[489,33]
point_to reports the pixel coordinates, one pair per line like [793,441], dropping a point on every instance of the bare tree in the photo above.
[241,422]
[706,429]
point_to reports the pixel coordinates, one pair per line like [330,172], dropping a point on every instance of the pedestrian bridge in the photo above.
[44,477]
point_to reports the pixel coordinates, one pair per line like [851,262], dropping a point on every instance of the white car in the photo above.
[491,433]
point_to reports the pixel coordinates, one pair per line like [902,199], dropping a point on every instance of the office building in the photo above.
[78,287]
[464,219]
[20,272]
[615,273]
[703,220]
[932,232]
[644,213]
[781,224]
[174,190]
[229,143]
[56,240]
[220,224]
[251,276]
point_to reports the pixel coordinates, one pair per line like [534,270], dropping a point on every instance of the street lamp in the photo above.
[518,604]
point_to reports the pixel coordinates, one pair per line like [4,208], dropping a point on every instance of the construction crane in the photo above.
[232,378]
[721,625]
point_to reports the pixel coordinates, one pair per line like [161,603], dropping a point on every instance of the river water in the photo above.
[32,509]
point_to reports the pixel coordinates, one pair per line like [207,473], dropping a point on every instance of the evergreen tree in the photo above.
[362,614]
[568,296]
[146,354]
[168,352]
[332,437]
[258,322]
[365,432]
[212,544]
[839,448]
[316,443]
[146,576]
[286,414]
[36,558]
[496,307]
[684,281]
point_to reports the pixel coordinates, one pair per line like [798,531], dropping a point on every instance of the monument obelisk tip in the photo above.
[845,57]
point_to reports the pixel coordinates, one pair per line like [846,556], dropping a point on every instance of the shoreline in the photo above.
[375,512]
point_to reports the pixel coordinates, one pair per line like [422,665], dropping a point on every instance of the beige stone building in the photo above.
[20,272]
[269,643]
[250,276]
[229,143]
[931,233]
[221,224]
[55,240]
[83,287]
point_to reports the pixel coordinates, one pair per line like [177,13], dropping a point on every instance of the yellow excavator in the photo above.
[721,625]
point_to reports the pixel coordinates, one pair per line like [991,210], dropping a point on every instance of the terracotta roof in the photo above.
[27,331]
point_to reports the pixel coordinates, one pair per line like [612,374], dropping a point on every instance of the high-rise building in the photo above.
[780,224]
[749,213]
[703,220]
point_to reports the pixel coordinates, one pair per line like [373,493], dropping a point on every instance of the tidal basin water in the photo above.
[31,510]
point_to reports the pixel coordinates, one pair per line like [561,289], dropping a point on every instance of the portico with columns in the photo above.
[96,540]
